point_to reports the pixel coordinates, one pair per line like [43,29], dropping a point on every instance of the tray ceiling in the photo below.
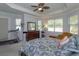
[54,7]
[26,8]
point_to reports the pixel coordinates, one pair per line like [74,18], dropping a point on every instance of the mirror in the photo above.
[31,26]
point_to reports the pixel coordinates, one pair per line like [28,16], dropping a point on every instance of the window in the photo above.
[39,26]
[18,24]
[55,25]
[51,25]
[74,24]
[31,26]
[58,25]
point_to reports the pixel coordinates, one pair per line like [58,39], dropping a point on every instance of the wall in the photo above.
[3,29]
[11,22]
[65,17]
[29,18]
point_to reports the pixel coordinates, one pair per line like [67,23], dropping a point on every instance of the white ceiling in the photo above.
[54,8]
[6,8]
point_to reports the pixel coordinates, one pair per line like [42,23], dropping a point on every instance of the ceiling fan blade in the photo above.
[41,10]
[34,6]
[41,4]
[35,9]
[46,7]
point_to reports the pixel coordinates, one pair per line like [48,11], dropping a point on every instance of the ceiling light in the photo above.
[39,9]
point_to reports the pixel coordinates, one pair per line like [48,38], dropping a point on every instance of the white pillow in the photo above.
[64,41]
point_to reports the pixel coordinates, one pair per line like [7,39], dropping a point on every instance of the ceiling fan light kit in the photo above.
[40,7]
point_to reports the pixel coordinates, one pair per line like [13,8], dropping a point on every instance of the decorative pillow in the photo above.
[61,37]
[53,36]
[65,40]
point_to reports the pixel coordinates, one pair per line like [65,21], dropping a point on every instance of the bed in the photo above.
[48,47]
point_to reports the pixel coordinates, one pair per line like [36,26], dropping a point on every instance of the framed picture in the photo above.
[31,26]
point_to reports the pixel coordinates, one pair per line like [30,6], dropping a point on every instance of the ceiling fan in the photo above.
[40,7]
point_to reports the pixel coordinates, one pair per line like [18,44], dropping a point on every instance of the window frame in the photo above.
[41,25]
[52,26]
[55,24]
[18,26]
[75,24]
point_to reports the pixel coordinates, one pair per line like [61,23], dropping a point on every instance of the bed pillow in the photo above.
[62,42]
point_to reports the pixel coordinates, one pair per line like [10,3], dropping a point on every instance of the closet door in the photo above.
[3,29]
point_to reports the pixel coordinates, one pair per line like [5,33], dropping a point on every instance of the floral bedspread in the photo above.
[48,47]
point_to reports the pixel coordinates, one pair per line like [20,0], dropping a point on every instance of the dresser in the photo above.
[30,35]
